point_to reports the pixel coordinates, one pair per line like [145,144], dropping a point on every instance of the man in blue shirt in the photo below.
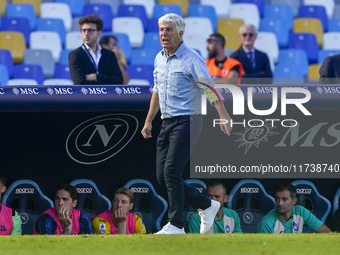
[180,74]
[288,217]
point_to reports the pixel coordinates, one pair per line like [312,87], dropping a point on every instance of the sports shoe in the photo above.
[208,216]
[169,229]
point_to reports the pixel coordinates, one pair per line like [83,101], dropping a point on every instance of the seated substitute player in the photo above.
[10,220]
[226,220]
[288,217]
[63,219]
[119,220]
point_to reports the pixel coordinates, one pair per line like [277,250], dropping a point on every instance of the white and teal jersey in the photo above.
[230,223]
[271,224]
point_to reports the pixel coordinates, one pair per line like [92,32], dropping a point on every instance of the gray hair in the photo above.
[246,26]
[177,20]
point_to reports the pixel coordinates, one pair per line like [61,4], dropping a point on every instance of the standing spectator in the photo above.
[255,63]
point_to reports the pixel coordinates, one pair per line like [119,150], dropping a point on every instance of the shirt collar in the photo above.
[179,51]
[99,48]
[248,51]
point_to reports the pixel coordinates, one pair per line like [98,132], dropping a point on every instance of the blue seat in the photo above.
[131,10]
[188,210]
[62,72]
[25,197]
[294,5]
[309,197]
[204,11]
[152,25]
[141,72]
[294,57]
[277,26]
[259,3]
[161,9]
[288,73]
[43,58]
[6,59]
[22,11]
[334,25]
[150,206]
[53,25]
[307,42]
[143,56]
[76,6]
[18,25]
[280,11]
[123,43]
[90,200]
[151,41]
[103,11]
[322,54]
[29,71]
[314,11]
[64,57]
[4,76]
[251,202]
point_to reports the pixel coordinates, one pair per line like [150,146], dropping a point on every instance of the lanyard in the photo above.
[90,57]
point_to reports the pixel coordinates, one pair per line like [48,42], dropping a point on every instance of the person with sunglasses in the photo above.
[90,64]
[255,63]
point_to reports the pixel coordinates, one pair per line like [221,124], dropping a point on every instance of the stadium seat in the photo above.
[131,26]
[251,202]
[294,4]
[278,27]
[113,4]
[18,25]
[3,4]
[29,71]
[229,28]
[150,206]
[27,199]
[313,73]
[322,54]
[267,42]
[16,82]
[337,11]
[58,82]
[36,4]
[162,9]
[287,73]
[314,26]
[138,82]
[314,12]
[90,200]
[75,24]
[197,42]
[182,3]
[6,59]
[47,41]
[141,72]
[143,56]
[4,75]
[52,25]
[204,25]
[152,25]
[259,3]
[58,11]
[334,25]
[43,58]
[63,60]
[294,57]
[103,11]
[15,43]
[62,72]
[248,12]
[148,5]
[151,40]
[76,6]
[309,197]
[306,42]
[281,12]
[188,210]
[73,40]
[205,11]
[331,41]
[328,4]
[22,11]
[222,7]
[137,11]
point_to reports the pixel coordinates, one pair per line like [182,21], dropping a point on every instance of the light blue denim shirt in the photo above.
[176,81]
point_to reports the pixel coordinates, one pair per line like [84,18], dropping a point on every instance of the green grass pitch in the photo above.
[195,244]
